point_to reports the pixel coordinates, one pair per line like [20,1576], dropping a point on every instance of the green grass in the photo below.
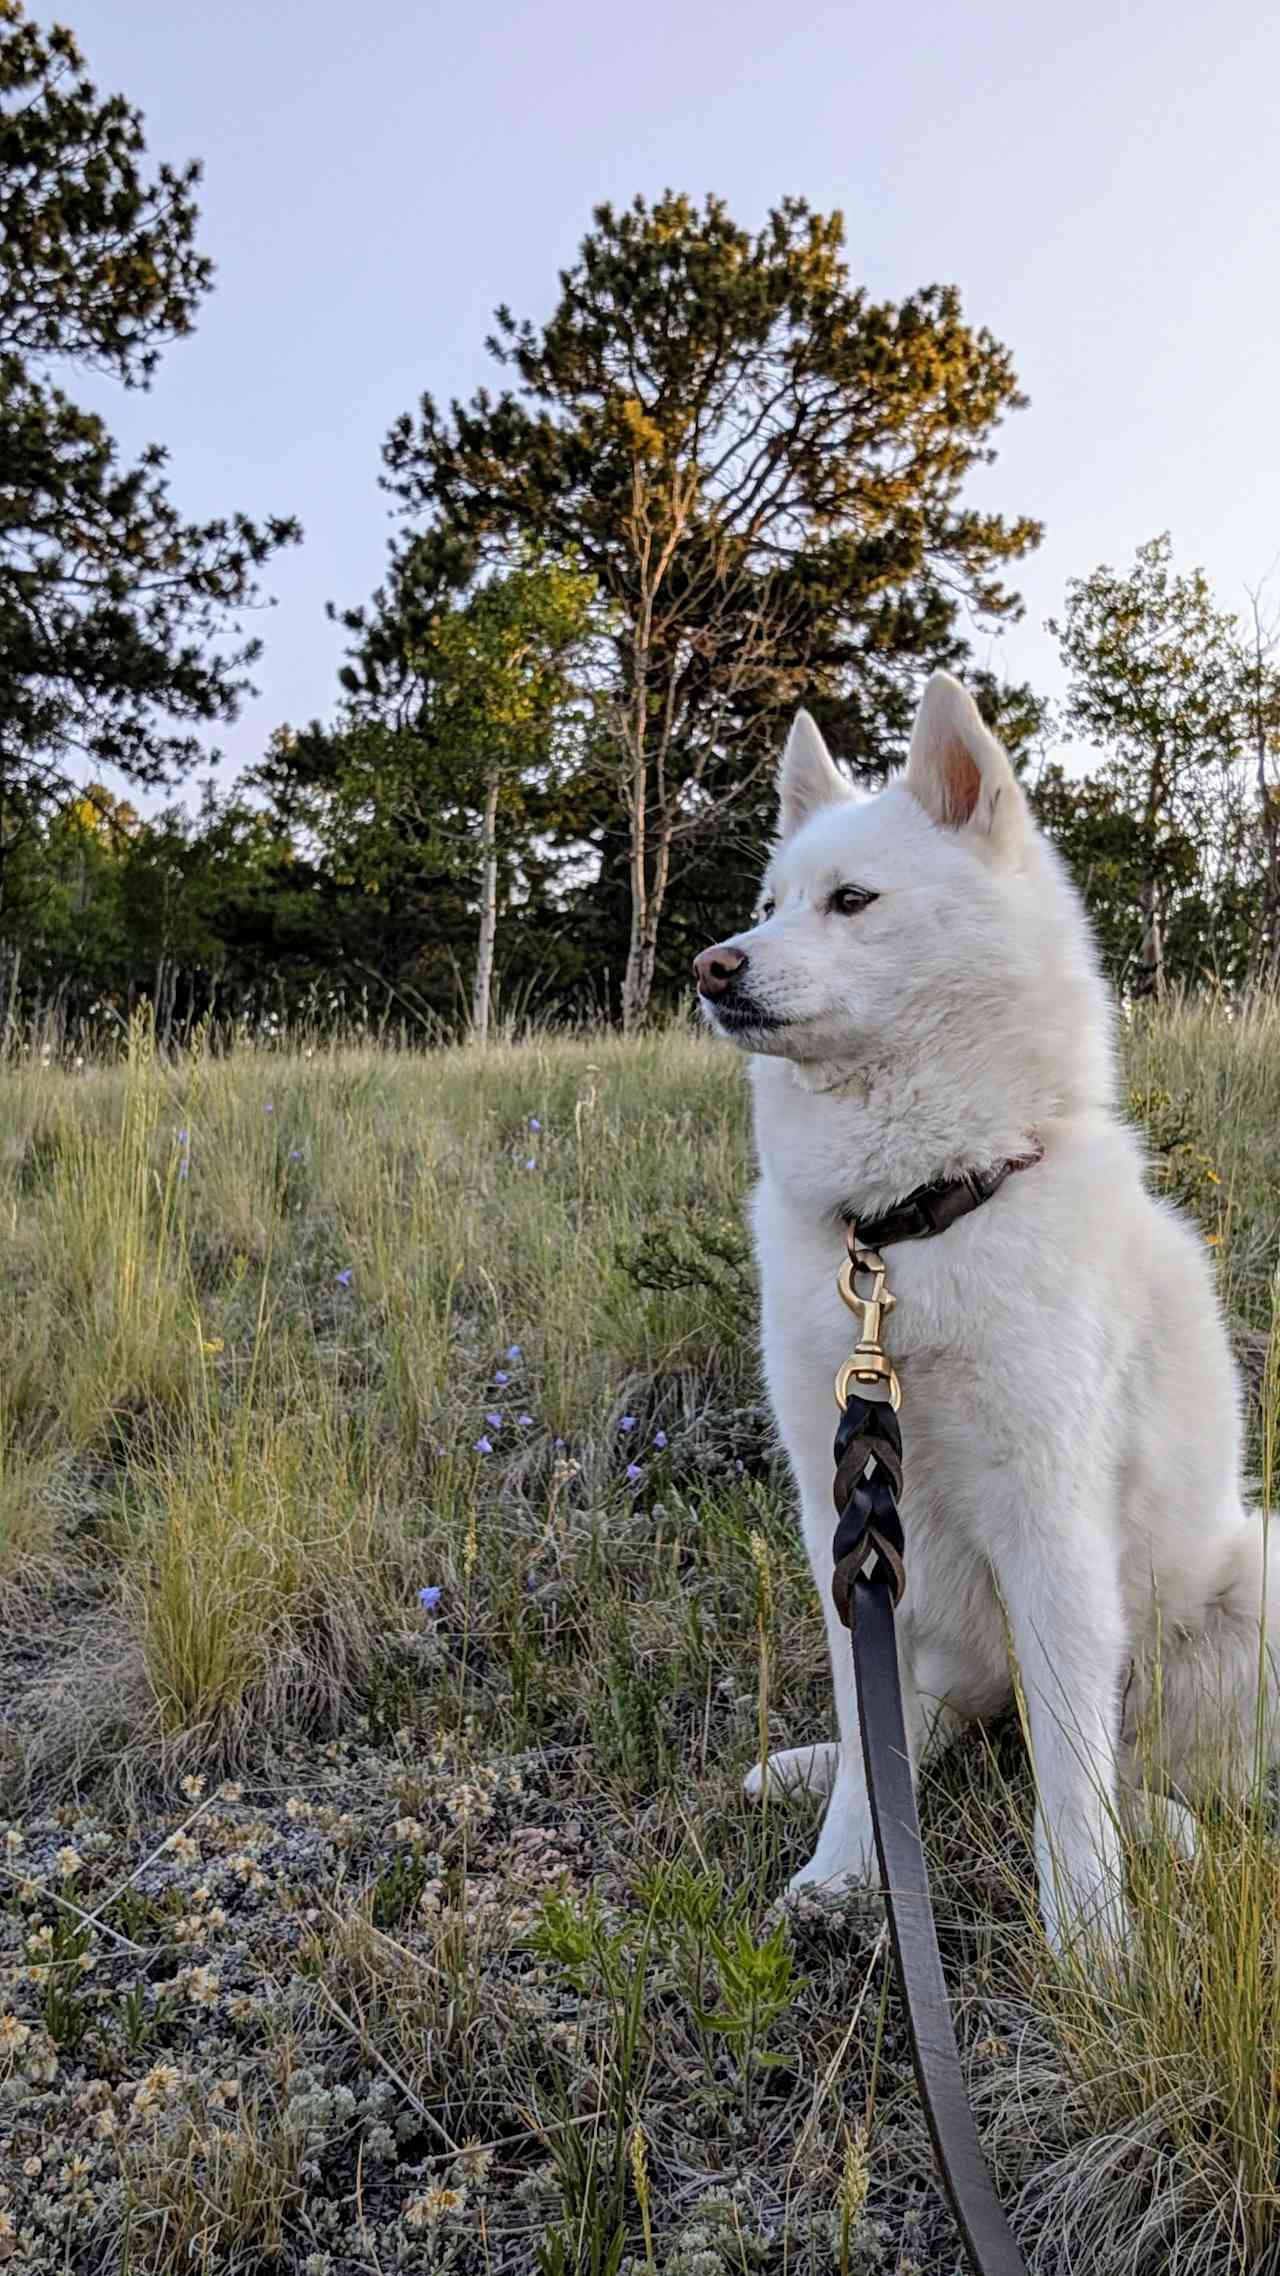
[477,1963]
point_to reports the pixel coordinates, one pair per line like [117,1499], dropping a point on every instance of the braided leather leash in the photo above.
[870,1576]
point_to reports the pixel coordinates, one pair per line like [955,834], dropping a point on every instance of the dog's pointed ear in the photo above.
[958,772]
[808,776]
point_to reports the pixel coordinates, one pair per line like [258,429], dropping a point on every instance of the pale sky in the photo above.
[1100,182]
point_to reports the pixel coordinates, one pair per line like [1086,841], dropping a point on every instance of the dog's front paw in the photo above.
[838,1867]
[796,1770]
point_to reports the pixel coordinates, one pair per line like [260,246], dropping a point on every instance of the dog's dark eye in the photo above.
[766,910]
[848,899]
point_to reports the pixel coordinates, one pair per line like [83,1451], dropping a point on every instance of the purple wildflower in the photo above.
[429,1598]
[494,1419]
[531,1164]
[344,1278]
[634,1473]
[184,1137]
[534,1123]
[268,1108]
[523,1421]
[628,1422]
[499,1376]
[295,1153]
[513,1351]
[558,1445]
[483,1446]
[660,1439]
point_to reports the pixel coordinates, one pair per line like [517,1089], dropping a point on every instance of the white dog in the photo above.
[920,997]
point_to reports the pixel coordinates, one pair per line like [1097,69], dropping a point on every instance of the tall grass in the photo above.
[260,1307]
[345,1389]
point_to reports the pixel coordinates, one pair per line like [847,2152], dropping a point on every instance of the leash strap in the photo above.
[869,1579]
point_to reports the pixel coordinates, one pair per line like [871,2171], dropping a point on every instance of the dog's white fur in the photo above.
[1071,1416]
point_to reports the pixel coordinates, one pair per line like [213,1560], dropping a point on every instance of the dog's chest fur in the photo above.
[1035,1354]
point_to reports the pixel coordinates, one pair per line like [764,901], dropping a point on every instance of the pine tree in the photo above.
[760,468]
[109,600]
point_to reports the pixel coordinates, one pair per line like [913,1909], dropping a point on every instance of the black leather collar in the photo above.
[932,1208]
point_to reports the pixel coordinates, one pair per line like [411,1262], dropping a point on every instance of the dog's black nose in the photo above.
[716,967]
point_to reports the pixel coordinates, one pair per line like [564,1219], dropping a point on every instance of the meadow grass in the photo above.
[399,1577]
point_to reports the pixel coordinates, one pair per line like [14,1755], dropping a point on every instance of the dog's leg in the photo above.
[812,1769]
[846,1848]
[1068,1636]
[795,1770]
[846,1844]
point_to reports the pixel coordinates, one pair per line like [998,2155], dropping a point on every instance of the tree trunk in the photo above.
[1152,957]
[637,983]
[648,899]
[1267,953]
[10,1033]
[488,909]
[1152,953]
[634,993]
[163,998]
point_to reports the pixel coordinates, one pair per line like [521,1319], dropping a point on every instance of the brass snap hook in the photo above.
[868,1366]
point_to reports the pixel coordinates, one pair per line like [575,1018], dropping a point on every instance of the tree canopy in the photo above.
[761,469]
[119,620]
[1157,684]
[718,479]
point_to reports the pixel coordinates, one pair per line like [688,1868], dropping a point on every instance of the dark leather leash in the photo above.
[870,1576]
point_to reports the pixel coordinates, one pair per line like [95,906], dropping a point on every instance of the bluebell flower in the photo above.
[558,1445]
[531,1163]
[429,1598]
[483,1446]
[184,1137]
[659,1439]
[499,1376]
[268,1108]
[523,1421]
[634,1473]
[494,1419]
[513,1351]
[628,1422]
[295,1153]
[534,1123]
[344,1278]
